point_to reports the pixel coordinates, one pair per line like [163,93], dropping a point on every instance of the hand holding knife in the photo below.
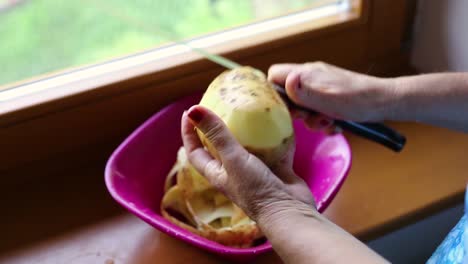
[376,132]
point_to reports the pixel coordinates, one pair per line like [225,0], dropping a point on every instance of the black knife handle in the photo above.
[376,132]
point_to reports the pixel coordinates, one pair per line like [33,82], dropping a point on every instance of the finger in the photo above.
[293,85]
[313,121]
[277,73]
[200,159]
[216,132]
[284,167]
[304,93]
[189,136]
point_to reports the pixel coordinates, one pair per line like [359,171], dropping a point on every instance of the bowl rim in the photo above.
[157,221]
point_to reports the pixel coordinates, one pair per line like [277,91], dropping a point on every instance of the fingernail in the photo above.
[196,115]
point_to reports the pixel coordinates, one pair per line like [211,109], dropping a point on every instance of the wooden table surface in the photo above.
[384,191]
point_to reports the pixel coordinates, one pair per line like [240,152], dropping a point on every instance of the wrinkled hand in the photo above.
[335,92]
[244,178]
[277,199]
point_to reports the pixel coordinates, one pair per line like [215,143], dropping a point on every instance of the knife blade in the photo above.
[376,132]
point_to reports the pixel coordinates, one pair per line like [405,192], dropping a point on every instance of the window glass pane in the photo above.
[42,36]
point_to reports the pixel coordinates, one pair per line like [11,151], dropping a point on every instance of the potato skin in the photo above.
[253,111]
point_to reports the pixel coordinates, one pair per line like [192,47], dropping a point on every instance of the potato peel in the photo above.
[207,212]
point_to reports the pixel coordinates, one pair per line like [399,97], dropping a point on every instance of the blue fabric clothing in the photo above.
[454,248]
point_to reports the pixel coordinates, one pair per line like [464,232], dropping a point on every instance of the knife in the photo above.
[376,132]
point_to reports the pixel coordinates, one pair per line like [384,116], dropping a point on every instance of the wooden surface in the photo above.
[384,191]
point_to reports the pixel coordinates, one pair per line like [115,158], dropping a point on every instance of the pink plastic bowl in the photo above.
[136,171]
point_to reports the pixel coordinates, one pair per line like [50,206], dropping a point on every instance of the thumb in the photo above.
[277,73]
[225,146]
[303,92]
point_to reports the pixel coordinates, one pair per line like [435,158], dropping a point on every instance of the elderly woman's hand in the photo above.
[335,92]
[277,199]
[280,201]
[246,180]
[438,98]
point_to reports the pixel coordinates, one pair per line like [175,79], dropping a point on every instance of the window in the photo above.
[42,36]
[94,106]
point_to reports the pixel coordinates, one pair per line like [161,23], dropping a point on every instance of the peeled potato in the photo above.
[260,121]
[253,111]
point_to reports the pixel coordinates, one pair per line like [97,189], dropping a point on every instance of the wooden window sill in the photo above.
[383,192]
